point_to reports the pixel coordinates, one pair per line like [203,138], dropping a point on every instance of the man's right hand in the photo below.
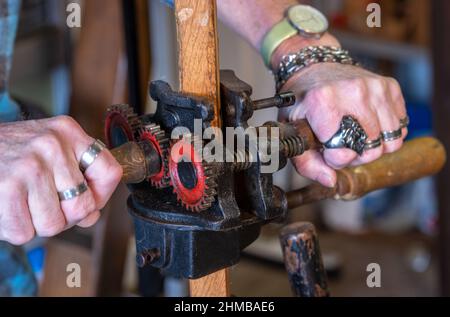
[40,158]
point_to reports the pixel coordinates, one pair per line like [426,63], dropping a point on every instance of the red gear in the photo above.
[153,133]
[120,117]
[201,195]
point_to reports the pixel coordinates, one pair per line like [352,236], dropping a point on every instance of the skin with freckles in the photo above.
[325,92]
[40,158]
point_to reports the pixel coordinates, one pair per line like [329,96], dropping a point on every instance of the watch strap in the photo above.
[280,32]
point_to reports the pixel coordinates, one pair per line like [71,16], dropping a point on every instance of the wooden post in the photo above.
[441,51]
[199,75]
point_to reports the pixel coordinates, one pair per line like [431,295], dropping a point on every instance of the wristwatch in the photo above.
[300,20]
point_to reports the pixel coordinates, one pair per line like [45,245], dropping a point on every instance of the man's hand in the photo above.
[37,160]
[326,93]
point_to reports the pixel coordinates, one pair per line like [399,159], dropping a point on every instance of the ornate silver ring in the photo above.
[350,135]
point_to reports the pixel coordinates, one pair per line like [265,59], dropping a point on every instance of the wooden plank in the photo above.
[199,75]
[441,51]
[213,285]
[198,50]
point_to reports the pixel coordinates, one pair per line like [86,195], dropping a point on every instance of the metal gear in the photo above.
[121,125]
[193,179]
[153,133]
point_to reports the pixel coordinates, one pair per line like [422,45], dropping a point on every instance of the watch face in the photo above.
[307,20]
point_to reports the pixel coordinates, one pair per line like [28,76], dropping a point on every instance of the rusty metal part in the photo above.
[153,134]
[303,260]
[416,159]
[138,160]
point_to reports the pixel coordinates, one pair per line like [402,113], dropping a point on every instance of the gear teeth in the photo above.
[128,115]
[209,193]
[153,133]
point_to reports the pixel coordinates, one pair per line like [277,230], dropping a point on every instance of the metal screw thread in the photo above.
[242,161]
[292,146]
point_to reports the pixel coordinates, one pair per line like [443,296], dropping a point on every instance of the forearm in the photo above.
[252,19]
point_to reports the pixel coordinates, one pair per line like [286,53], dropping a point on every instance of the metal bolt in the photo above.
[280,101]
[147,257]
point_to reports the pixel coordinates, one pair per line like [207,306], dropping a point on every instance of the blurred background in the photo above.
[81,71]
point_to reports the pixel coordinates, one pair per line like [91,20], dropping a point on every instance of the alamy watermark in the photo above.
[73,279]
[240,145]
[374,278]
[73,19]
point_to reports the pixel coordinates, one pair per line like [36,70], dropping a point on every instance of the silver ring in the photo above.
[73,192]
[370,145]
[350,135]
[91,154]
[404,123]
[389,136]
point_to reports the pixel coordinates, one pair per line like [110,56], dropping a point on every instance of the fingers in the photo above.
[375,102]
[43,203]
[104,174]
[311,165]
[16,226]
[90,220]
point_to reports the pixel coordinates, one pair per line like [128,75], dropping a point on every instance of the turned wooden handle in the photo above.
[416,159]
[133,161]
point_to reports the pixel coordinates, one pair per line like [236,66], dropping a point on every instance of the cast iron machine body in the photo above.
[192,223]
[194,216]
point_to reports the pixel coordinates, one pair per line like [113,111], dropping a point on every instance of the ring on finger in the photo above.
[389,136]
[370,145]
[91,154]
[404,123]
[72,193]
[350,135]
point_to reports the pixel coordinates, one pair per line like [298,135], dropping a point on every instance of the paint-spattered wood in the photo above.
[199,75]
[303,260]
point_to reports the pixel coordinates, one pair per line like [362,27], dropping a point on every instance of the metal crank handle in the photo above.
[139,160]
[416,159]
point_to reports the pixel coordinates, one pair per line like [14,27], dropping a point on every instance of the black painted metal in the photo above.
[192,245]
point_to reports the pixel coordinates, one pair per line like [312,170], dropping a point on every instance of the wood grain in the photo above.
[199,75]
[198,51]
[213,285]
[416,159]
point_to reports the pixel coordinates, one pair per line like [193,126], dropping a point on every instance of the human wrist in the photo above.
[296,43]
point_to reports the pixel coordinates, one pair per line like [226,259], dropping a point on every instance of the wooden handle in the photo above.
[416,159]
[133,161]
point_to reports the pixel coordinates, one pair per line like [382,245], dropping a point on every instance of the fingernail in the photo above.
[326,180]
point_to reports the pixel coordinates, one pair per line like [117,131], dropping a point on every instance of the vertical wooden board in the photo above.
[198,50]
[213,285]
[199,75]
